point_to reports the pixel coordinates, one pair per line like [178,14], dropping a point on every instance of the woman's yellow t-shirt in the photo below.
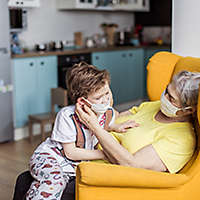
[174,142]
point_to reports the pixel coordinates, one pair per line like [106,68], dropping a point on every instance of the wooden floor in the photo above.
[14,157]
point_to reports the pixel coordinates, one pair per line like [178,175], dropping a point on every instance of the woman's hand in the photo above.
[122,128]
[87,116]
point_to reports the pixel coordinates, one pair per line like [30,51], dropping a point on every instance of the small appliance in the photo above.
[18,19]
[67,61]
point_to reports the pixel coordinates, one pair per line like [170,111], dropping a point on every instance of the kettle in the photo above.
[89,42]
[56,45]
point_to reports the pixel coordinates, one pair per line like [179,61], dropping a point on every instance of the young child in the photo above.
[53,163]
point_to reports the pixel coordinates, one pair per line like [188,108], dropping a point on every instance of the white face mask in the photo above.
[99,108]
[168,108]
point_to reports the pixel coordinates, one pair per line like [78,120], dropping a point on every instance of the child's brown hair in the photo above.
[84,79]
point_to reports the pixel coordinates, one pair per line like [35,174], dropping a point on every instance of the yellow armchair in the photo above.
[97,181]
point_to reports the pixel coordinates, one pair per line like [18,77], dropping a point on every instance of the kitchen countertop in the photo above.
[86,50]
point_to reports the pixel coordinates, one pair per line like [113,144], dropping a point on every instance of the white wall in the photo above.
[186,27]
[47,23]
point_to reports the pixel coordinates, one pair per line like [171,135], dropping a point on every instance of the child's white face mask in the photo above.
[99,108]
[168,108]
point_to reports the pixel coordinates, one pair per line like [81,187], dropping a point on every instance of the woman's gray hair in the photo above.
[187,87]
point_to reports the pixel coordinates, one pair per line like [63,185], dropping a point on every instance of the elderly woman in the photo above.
[164,139]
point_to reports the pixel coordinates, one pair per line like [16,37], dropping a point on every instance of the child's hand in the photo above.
[86,116]
[122,128]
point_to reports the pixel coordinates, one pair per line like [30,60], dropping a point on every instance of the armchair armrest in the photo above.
[109,175]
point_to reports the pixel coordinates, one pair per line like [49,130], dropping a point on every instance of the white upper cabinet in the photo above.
[133,5]
[112,5]
[24,3]
[76,4]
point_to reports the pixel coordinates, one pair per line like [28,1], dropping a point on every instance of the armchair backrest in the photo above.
[187,63]
[159,72]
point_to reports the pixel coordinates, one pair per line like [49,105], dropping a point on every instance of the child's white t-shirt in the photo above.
[64,131]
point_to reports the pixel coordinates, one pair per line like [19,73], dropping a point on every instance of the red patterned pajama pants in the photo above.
[50,181]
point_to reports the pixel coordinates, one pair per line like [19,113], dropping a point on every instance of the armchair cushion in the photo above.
[109,175]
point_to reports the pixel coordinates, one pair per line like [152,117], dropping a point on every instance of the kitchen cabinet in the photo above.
[76,4]
[98,5]
[24,3]
[33,78]
[133,5]
[126,69]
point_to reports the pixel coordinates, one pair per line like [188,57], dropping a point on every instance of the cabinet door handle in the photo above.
[97,57]
[124,55]
[31,64]
[42,63]
[130,54]
[22,3]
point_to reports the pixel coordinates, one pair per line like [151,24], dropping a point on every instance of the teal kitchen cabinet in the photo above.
[33,78]
[126,71]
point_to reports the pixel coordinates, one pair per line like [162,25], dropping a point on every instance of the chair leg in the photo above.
[30,127]
[42,131]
